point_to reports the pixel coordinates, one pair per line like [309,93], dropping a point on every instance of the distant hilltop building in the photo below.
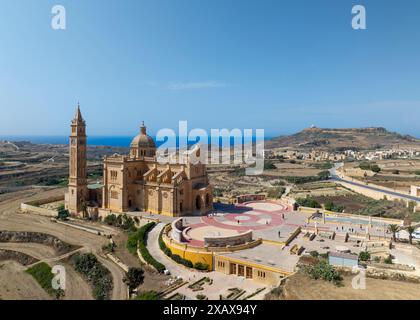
[135,182]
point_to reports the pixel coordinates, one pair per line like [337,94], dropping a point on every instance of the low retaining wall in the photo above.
[194,255]
[26,208]
[34,206]
[349,215]
[223,241]
[176,227]
[118,262]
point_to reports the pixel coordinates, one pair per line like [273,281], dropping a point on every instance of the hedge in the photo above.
[177,258]
[138,240]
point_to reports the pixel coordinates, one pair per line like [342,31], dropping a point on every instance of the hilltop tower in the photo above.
[78,191]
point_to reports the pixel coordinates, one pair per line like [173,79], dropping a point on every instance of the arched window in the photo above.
[198,203]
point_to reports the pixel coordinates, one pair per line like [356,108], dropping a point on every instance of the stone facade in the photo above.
[78,193]
[138,182]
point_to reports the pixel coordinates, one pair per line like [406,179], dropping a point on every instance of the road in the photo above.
[336,178]
[11,220]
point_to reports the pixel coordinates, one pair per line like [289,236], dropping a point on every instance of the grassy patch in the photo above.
[43,275]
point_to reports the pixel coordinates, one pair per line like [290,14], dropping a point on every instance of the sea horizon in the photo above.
[111,141]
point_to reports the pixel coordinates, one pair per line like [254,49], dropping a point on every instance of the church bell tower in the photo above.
[78,192]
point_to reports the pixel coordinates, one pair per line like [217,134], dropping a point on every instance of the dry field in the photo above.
[285,169]
[388,176]
[301,287]
[76,287]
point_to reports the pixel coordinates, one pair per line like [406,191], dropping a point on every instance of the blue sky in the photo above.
[277,65]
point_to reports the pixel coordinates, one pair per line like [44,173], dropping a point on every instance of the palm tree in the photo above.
[410,229]
[394,229]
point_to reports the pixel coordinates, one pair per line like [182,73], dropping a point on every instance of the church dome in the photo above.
[143,140]
[142,145]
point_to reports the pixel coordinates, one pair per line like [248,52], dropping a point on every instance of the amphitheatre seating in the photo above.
[296,249]
[309,236]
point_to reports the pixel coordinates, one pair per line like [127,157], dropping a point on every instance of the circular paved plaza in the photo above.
[229,220]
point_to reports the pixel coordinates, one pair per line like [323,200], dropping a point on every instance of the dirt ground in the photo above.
[152,279]
[16,284]
[11,219]
[77,287]
[301,287]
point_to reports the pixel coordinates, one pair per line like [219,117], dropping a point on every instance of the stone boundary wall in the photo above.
[371,193]
[118,262]
[185,246]
[349,215]
[45,201]
[26,208]
[33,206]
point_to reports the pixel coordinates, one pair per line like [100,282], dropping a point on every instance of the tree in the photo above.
[410,229]
[393,228]
[269,165]
[375,168]
[62,214]
[133,278]
[364,256]
[84,209]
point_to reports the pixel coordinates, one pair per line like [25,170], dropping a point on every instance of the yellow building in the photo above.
[137,181]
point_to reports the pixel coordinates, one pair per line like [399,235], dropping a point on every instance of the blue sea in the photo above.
[112,141]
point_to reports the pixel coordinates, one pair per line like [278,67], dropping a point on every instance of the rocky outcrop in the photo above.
[59,246]
[19,257]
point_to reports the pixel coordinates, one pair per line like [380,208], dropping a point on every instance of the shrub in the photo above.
[95,273]
[331,206]
[417,172]
[138,239]
[324,255]
[314,254]
[308,202]
[147,295]
[276,192]
[201,266]
[269,165]
[62,214]
[322,270]
[369,166]
[175,257]
[110,219]
[134,277]
[201,296]
[127,223]
[388,260]
[364,256]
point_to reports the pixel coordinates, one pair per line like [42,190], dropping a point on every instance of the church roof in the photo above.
[143,140]
[78,116]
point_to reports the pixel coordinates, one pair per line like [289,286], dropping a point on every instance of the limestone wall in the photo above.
[26,208]
[223,241]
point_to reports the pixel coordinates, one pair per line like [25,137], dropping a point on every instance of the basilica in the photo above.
[135,182]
